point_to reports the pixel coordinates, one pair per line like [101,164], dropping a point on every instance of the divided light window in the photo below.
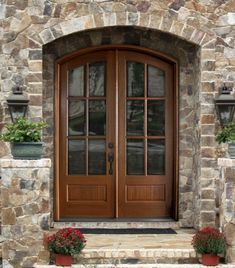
[86,135]
[145,119]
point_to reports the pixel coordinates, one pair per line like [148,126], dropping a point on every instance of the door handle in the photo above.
[110,159]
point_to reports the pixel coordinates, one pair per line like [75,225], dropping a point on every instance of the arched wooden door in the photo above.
[116,136]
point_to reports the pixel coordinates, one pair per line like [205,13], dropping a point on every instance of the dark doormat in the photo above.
[128,231]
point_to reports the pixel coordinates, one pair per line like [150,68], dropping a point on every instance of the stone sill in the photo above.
[226,162]
[19,163]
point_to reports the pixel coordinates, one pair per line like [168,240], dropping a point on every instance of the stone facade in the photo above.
[25,211]
[200,34]
[227,204]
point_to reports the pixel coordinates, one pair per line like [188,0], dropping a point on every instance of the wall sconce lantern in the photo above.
[225,106]
[17,103]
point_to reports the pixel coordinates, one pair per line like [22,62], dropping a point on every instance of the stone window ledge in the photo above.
[18,163]
[226,162]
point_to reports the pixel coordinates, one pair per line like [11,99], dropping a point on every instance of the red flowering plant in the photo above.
[209,240]
[66,241]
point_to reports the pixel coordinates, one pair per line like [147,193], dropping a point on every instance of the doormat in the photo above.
[128,231]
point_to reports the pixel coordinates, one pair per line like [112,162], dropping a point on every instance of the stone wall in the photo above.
[227,204]
[25,211]
[26,26]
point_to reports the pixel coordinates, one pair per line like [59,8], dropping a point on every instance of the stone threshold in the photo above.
[118,224]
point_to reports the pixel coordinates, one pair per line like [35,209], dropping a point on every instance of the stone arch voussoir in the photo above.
[158,21]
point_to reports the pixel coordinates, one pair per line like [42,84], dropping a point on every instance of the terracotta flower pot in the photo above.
[63,260]
[210,260]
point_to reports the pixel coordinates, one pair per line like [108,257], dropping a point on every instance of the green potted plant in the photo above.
[227,135]
[64,243]
[25,138]
[209,242]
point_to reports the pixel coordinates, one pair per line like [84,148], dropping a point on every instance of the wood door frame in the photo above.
[160,55]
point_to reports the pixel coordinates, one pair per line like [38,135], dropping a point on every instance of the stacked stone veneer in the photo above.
[227,204]
[29,27]
[25,211]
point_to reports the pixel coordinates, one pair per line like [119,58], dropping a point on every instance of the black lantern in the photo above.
[225,106]
[17,103]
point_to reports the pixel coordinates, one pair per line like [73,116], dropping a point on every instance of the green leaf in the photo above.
[23,130]
[226,134]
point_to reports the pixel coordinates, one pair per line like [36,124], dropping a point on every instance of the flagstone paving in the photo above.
[141,241]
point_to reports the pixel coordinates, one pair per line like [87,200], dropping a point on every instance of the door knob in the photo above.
[110,145]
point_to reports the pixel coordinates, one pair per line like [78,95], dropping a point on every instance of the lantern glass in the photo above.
[17,111]
[225,106]
[226,113]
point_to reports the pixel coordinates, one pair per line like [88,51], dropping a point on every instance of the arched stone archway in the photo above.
[188,56]
[159,20]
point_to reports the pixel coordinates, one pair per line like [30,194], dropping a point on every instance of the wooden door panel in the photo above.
[84,193]
[86,186]
[145,193]
[145,133]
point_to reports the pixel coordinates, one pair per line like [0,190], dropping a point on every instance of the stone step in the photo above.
[136,256]
[138,249]
[139,266]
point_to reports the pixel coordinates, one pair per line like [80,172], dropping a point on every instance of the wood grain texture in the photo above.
[83,193]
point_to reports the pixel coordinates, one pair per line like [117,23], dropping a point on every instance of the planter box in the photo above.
[27,150]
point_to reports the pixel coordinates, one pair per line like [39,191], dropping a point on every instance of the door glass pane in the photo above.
[76,82]
[156,82]
[96,157]
[76,120]
[97,117]
[135,118]
[156,118]
[135,157]
[97,79]
[76,157]
[135,79]
[156,157]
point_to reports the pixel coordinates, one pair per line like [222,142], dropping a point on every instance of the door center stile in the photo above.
[116,132]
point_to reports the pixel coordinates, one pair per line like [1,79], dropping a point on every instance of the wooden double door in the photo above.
[116,151]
